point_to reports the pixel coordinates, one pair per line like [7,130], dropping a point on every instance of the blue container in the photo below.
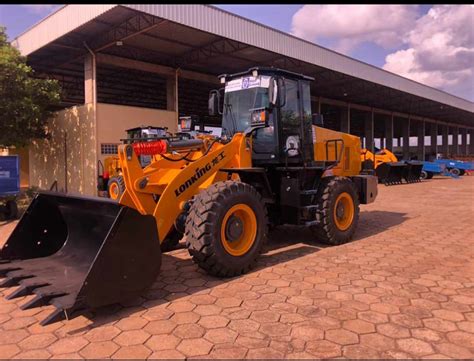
[452,163]
[434,167]
[9,175]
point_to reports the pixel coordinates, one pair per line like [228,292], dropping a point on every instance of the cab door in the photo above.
[295,130]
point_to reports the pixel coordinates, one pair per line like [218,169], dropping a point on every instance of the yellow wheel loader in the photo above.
[272,164]
[111,180]
[388,169]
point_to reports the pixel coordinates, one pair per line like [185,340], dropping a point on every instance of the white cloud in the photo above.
[41,9]
[440,50]
[351,25]
[435,49]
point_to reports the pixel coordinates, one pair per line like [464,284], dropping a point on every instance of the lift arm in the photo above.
[164,187]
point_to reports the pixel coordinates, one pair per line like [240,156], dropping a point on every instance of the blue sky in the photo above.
[396,41]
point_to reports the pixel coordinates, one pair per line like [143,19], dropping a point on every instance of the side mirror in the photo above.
[282,91]
[273,91]
[318,120]
[214,102]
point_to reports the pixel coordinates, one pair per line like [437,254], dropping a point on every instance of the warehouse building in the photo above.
[124,66]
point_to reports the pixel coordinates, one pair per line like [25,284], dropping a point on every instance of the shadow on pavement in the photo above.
[284,244]
[375,222]
[175,272]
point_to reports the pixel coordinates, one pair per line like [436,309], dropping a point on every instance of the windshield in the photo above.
[242,97]
[240,105]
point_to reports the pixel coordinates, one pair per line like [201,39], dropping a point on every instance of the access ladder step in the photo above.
[308,192]
[309,208]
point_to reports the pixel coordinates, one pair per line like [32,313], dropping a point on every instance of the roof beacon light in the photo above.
[222,79]
[255,73]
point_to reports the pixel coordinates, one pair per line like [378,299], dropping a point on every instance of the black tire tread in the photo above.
[120,181]
[200,225]
[326,231]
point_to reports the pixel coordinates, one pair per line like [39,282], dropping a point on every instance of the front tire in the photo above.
[226,228]
[116,187]
[338,211]
[426,175]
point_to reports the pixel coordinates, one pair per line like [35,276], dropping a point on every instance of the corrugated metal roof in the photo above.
[219,22]
[61,22]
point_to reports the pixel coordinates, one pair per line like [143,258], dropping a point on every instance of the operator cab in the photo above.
[273,103]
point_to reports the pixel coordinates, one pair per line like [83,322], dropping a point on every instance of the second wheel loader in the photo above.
[388,169]
[111,180]
[271,165]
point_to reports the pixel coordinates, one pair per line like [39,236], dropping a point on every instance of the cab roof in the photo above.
[267,71]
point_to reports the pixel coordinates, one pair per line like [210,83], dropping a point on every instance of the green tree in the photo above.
[25,102]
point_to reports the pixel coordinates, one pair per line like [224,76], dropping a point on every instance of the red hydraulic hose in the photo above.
[150,148]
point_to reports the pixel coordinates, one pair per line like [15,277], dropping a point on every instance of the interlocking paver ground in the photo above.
[403,288]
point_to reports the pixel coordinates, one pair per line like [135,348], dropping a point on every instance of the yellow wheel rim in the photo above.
[344,211]
[238,230]
[114,190]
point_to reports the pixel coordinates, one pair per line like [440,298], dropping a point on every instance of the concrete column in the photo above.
[369,131]
[345,118]
[171,93]
[434,139]
[445,146]
[389,133]
[420,132]
[406,138]
[464,148]
[90,80]
[471,141]
[455,146]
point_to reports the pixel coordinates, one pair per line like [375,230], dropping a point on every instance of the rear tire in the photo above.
[430,175]
[116,187]
[455,171]
[226,228]
[424,174]
[338,221]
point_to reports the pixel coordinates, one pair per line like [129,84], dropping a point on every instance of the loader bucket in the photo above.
[390,173]
[413,170]
[76,252]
